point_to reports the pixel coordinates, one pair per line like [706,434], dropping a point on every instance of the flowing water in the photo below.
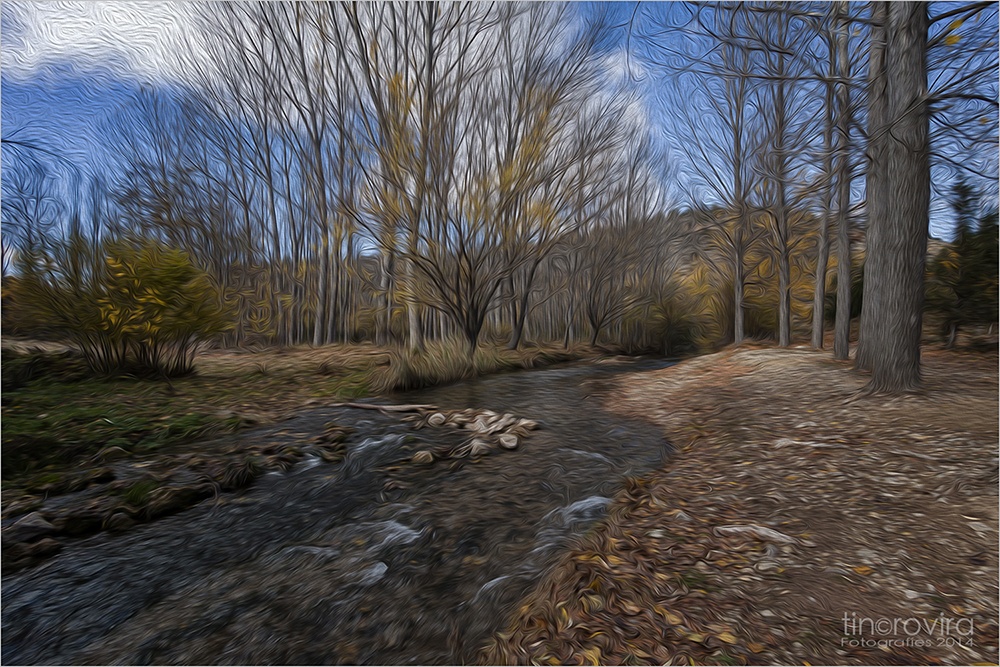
[373,560]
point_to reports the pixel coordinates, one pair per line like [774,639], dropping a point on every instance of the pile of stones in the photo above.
[488,432]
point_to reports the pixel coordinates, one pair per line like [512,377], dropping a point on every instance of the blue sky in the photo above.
[66,110]
[69,69]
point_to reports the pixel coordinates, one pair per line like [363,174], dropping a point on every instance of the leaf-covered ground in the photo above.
[796,513]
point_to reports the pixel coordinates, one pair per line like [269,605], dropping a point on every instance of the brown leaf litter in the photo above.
[796,514]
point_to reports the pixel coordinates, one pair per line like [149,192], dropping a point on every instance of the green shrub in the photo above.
[962,280]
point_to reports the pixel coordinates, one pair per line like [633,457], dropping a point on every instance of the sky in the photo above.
[67,68]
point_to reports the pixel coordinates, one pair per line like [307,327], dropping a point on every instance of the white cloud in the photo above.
[138,39]
[622,67]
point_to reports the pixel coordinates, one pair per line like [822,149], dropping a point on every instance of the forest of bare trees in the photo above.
[414,173]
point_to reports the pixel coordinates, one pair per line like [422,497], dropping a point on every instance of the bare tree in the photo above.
[720,144]
[843,114]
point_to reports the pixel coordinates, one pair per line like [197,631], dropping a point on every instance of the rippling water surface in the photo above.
[374,560]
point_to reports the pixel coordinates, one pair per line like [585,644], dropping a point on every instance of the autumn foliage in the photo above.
[129,305]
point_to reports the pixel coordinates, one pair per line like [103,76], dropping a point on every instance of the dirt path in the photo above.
[795,516]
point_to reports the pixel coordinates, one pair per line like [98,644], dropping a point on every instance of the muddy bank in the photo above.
[371,559]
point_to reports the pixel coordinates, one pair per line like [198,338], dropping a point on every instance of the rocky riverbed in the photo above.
[346,548]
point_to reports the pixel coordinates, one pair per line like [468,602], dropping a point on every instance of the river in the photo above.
[371,561]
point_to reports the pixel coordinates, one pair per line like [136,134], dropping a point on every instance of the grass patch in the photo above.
[693,579]
[138,494]
[447,362]
[56,416]
[17,369]
[726,659]
[49,423]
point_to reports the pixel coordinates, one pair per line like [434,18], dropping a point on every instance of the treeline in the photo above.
[404,173]
[389,172]
[962,277]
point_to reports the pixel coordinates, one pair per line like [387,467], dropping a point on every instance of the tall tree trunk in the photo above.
[323,293]
[739,234]
[784,300]
[819,291]
[876,198]
[384,337]
[416,333]
[335,317]
[899,198]
[784,268]
[842,325]
[823,251]
[569,326]
[522,312]
[508,299]
[738,315]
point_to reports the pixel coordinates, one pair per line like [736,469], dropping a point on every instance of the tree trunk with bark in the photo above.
[823,249]
[842,325]
[899,198]
[522,314]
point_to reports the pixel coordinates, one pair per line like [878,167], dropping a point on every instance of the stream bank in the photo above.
[371,559]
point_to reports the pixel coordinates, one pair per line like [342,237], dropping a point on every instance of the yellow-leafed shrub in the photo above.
[129,305]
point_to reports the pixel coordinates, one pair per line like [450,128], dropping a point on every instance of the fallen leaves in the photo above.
[671,618]
[658,583]
[592,656]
